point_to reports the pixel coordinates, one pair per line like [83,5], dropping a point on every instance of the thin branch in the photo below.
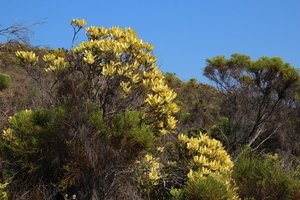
[269,136]
[19,31]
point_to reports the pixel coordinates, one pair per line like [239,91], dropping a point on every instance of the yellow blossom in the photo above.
[8,134]
[163,131]
[49,57]
[148,157]
[190,175]
[160,149]
[193,144]
[171,122]
[125,86]
[183,138]
[78,22]
[153,174]
[56,64]
[200,160]
[205,171]
[27,57]
[89,57]
[208,155]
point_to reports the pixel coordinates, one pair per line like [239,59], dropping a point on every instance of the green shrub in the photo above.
[3,193]
[294,193]
[212,187]
[126,129]
[130,129]
[34,143]
[262,177]
[4,81]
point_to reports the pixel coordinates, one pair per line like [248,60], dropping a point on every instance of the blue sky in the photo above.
[184,32]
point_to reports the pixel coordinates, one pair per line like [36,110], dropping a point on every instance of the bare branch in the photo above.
[19,31]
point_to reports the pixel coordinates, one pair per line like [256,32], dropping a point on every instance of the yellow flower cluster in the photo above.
[153,167]
[161,98]
[3,193]
[125,86]
[160,149]
[129,57]
[89,57]
[27,57]
[54,63]
[78,23]
[126,52]
[183,138]
[8,134]
[119,54]
[208,155]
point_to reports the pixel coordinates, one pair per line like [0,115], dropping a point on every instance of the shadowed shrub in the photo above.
[263,177]
[4,81]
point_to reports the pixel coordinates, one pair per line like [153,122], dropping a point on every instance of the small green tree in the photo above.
[4,81]
[255,94]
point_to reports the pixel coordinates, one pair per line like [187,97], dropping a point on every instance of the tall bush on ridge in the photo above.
[116,105]
[257,95]
[108,132]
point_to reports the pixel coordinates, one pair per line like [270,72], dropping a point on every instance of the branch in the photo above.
[269,136]
[19,31]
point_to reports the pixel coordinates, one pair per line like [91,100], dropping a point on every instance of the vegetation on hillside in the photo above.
[101,121]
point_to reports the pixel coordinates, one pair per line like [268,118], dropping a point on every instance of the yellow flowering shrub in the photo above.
[208,155]
[148,173]
[113,72]
[54,63]
[210,164]
[27,57]
[114,59]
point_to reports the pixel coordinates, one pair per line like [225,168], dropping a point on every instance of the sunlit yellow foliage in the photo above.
[8,134]
[89,57]
[160,149]
[27,57]
[3,193]
[78,22]
[208,155]
[151,167]
[54,63]
[118,56]
[183,138]
[208,158]
[130,57]
[117,53]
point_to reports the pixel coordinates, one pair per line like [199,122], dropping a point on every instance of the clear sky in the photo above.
[184,32]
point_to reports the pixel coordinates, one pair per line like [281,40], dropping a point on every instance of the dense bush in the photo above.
[263,177]
[4,81]
[34,146]
[209,166]
[101,124]
[212,187]
[114,106]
